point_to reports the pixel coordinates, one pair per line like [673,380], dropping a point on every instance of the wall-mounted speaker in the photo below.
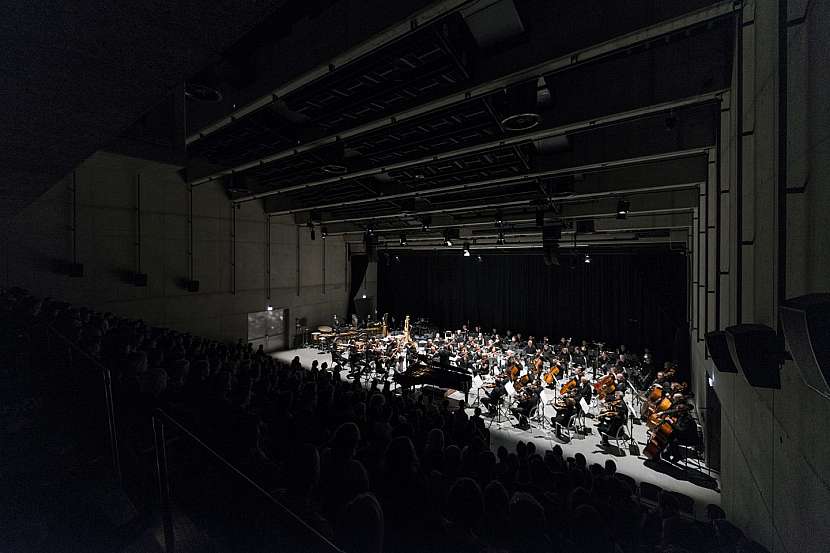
[719,351]
[806,324]
[758,352]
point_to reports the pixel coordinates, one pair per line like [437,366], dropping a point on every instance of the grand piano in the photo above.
[427,371]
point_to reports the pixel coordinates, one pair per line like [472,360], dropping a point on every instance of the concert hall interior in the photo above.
[415,276]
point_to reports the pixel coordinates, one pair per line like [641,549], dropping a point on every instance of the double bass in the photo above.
[660,436]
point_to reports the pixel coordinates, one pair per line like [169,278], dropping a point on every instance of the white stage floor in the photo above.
[630,461]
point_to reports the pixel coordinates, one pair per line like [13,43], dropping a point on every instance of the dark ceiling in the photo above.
[414,128]
[627,97]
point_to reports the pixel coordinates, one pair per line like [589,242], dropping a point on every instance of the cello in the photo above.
[550,376]
[568,386]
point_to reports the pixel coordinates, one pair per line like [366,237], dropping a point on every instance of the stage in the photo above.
[693,481]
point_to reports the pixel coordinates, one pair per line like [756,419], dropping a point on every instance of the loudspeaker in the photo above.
[76,270]
[192,285]
[806,324]
[758,352]
[140,279]
[719,351]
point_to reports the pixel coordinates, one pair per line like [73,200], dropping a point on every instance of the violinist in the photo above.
[566,407]
[527,400]
[612,416]
[493,397]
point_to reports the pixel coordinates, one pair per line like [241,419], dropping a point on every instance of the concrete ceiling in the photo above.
[415,128]
[77,74]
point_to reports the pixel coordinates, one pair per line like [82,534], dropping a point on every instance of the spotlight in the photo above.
[500,239]
[426,222]
[370,230]
[499,218]
[466,249]
[311,228]
[324,232]
[397,259]
[403,240]
[479,259]
[270,308]
[450,234]
[622,208]
[587,258]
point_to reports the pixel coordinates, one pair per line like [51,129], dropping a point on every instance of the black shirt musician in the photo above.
[566,407]
[493,397]
[528,399]
[612,417]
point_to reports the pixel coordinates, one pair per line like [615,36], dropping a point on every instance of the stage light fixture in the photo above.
[479,259]
[270,308]
[623,208]
[370,230]
[587,258]
[426,222]
[324,232]
[500,239]
[403,240]
[499,218]
[466,249]
[397,259]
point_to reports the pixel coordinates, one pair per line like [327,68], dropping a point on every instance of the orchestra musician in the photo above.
[527,400]
[493,397]
[612,416]
[566,406]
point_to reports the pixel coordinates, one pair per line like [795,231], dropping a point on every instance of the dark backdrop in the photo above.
[638,299]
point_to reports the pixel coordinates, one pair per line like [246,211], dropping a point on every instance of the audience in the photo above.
[373,470]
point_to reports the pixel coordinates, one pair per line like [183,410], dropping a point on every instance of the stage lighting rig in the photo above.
[623,207]
[466,249]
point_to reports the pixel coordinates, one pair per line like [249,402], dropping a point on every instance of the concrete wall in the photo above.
[775,453]
[40,238]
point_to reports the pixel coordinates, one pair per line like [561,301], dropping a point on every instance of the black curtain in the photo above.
[637,299]
[359,265]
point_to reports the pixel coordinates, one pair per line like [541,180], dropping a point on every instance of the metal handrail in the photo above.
[159,416]
[110,405]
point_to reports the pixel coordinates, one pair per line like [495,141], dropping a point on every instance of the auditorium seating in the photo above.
[370,469]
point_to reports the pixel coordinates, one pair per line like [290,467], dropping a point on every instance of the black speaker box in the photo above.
[719,351]
[140,279]
[76,270]
[758,352]
[806,324]
[192,285]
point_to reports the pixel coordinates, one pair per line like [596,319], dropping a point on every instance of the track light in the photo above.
[403,240]
[324,232]
[397,259]
[622,208]
[479,259]
[466,249]
[587,257]
[370,230]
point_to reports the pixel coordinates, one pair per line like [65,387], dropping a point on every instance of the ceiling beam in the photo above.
[615,118]
[413,23]
[504,181]
[564,199]
[567,61]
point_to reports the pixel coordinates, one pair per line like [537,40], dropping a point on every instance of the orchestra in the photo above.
[515,373]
